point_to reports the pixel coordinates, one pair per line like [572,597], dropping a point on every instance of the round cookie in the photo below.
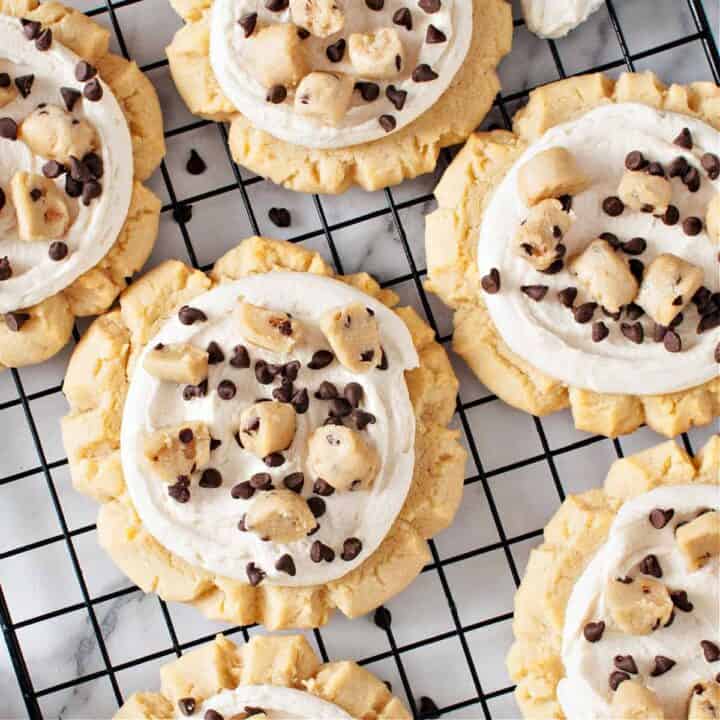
[614,617]
[403,153]
[72,229]
[419,488]
[457,245]
[264,678]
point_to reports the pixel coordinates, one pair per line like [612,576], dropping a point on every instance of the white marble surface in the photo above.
[63,647]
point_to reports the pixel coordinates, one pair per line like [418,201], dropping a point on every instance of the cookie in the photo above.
[577,254]
[80,132]
[617,613]
[236,430]
[322,96]
[266,677]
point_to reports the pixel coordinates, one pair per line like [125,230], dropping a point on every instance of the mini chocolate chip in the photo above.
[295,482]
[190,392]
[672,341]
[319,552]
[684,139]
[52,169]
[710,650]
[180,490]
[212,715]
[58,250]
[240,357]
[320,359]
[8,129]
[383,618]
[326,391]
[678,167]
[617,678]
[43,42]
[336,51]
[363,419]
[709,322]
[369,91]
[274,460]
[24,84]
[566,201]
[626,663]
[396,97]
[340,407]
[226,390]
[387,122]
[424,73]
[430,6]
[84,71]
[633,332]
[656,169]
[5,81]
[428,709]
[434,36]
[711,165]
[70,97]
[691,179]
[535,292]
[186,435]
[286,564]
[717,348]
[637,268]
[263,374]
[190,315]
[31,28]
[303,34]
[671,216]
[599,331]
[91,190]
[254,574]
[353,393]
[491,282]
[554,268]
[613,206]
[692,226]
[635,160]
[248,22]
[215,353]
[403,17]
[300,401]
[323,488]
[659,518]
[662,665]
[93,91]
[79,171]
[633,311]
[277,94]
[242,491]
[283,393]
[317,506]
[352,547]
[567,296]
[680,601]
[215,444]
[375,5]
[280,217]
[15,320]
[187,705]
[636,246]
[593,631]
[210,478]
[584,313]
[276,5]
[650,565]
[5,267]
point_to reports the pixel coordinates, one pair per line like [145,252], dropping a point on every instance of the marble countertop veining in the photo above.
[44,596]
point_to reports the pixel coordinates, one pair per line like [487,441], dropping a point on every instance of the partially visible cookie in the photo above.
[266,446]
[578,256]
[617,613]
[322,96]
[80,131]
[265,678]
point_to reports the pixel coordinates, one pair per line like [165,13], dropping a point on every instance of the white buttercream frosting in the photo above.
[204,531]
[545,333]
[94,228]
[585,693]
[556,18]
[231,58]
[278,703]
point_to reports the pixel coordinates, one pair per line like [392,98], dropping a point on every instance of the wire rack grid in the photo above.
[62,610]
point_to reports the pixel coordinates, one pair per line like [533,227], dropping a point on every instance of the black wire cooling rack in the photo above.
[480,703]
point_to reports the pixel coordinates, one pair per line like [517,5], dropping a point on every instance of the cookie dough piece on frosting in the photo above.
[370,95]
[82,130]
[574,653]
[267,677]
[282,533]
[612,312]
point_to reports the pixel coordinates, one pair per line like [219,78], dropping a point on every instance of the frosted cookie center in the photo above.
[550,307]
[336,73]
[272,461]
[645,611]
[66,166]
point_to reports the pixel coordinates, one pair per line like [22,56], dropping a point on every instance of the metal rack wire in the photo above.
[477,705]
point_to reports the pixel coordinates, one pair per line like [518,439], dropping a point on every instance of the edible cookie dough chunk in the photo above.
[645,192]
[40,207]
[354,336]
[8,91]
[668,286]
[53,133]
[178,451]
[324,96]
[550,174]
[705,702]
[278,56]
[321,18]
[633,701]
[178,363]
[281,516]
[699,540]
[712,219]
[539,239]
[605,275]
[267,427]
[378,54]
[269,329]
[639,606]
[342,458]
